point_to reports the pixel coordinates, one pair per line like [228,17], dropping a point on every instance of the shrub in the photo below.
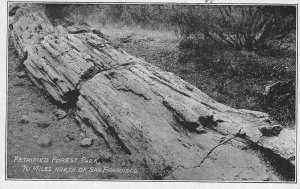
[266,30]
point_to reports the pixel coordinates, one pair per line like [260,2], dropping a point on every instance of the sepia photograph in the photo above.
[151,91]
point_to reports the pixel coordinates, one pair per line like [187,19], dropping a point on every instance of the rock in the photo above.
[60,114]
[71,136]
[98,32]
[105,156]
[21,74]
[123,163]
[150,38]
[86,142]
[39,110]
[35,136]
[82,135]
[283,144]
[19,84]
[270,130]
[58,152]
[200,130]
[76,29]
[12,11]
[280,89]
[11,26]
[293,161]
[66,139]
[43,124]
[41,120]
[44,140]
[24,119]
[126,39]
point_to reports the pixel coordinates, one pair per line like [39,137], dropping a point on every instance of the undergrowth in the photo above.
[238,78]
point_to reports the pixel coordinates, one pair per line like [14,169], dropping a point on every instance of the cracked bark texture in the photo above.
[145,112]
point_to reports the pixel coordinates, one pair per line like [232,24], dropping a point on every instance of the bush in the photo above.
[201,52]
[207,54]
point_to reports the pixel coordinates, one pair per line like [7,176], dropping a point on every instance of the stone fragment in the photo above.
[126,39]
[24,119]
[44,140]
[43,124]
[105,156]
[270,130]
[71,136]
[200,130]
[76,29]
[82,135]
[35,136]
[283,144]
[19,84]
[60,114]
[40,119]
[21,74]
[86,142]
[66,139]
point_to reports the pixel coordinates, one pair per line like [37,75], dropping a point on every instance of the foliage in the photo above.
[266,30]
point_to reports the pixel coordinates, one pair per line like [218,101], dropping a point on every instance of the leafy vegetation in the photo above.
[265,30]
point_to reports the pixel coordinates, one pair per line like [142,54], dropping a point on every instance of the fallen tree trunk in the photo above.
[175,129]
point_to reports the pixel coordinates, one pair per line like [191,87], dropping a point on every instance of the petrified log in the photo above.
[142,111]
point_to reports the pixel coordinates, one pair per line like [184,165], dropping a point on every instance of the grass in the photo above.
[119,30]
[238,78]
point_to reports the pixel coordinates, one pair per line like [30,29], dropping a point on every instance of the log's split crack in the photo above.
[211,151]
[224,141]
